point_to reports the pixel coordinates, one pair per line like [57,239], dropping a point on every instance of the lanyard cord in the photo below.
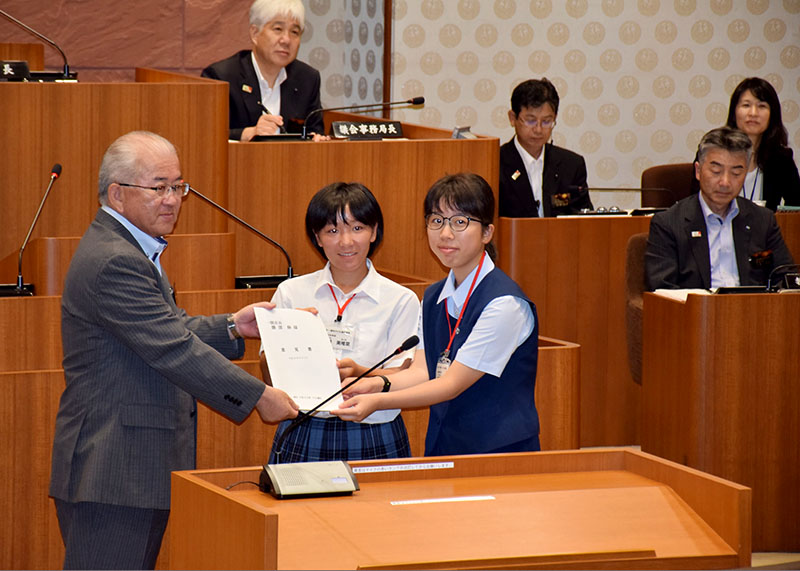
[340,308]
[753,190]
[453,332]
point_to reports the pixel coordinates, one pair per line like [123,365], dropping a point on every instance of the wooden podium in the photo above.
[574,270]
[721,393]
[271,183]
[591,509]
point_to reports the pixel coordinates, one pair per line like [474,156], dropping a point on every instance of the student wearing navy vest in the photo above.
[476,362]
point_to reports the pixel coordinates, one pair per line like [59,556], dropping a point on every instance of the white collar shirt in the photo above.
[535,170]
[382,314]
[504,324]
[270,96]
[721,249]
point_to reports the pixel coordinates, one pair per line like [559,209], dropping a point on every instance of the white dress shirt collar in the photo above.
[458,295]
[535,170]
[270,96]
[369,286]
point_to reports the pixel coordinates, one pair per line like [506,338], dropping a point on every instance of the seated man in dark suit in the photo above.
[714,238]
[538,178]
[270,90]
[134,364]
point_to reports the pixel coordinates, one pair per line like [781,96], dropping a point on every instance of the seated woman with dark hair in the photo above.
[772,176]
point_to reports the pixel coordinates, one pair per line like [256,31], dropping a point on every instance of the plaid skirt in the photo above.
[321,439]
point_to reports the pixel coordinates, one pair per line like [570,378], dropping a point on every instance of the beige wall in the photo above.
[640,80]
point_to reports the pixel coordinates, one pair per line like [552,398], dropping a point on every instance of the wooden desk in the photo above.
[32,53]
[574,270]
[271,183]
[720,393]
[585,509]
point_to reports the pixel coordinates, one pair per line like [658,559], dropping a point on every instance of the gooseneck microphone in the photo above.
[20,289]
[779,269]
[365,108]
[66,73]
[254,230]
[303,416]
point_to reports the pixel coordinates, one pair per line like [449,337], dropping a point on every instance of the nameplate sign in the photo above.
[367,130]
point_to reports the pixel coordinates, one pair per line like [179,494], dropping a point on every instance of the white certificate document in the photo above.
[300,357]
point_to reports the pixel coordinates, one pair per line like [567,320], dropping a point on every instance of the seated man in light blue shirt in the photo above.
[713,239]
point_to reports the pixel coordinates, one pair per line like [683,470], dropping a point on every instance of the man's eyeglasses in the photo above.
[532,123]
[181,189]
[457,223]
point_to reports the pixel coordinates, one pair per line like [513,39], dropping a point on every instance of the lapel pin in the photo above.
[697,234]
[247,89]
[515,176]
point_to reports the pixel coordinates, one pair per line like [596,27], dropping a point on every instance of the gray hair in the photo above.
[124,160]
[262,11]
[727,139]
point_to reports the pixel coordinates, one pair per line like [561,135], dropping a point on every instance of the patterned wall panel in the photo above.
[640,80]
[347,47]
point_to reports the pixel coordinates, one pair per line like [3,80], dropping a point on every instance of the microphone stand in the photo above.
[21,289]
[303,416]
[777,268]
[248,282]
[66,74]
[367,107]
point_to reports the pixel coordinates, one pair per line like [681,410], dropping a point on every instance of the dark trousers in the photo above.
[105,536]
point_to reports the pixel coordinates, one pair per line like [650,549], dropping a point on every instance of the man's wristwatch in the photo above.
[231,324]
[387,384]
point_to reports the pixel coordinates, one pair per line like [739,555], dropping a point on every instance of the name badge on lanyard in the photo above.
[342,336]
[442,365]
[444,361]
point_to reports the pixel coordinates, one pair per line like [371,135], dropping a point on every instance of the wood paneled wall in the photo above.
[73,124]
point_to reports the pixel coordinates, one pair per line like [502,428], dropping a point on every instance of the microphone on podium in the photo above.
[248,282]
[20,289]
[409,343]
[365,108]
[791,280]
[66,75]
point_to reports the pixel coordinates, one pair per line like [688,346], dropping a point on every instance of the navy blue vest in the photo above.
[494,412]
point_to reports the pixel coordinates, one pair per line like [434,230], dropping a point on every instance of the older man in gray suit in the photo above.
[134,364]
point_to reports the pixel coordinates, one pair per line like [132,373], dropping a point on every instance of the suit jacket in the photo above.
[134,362]
[563,183]
[299,93]
[677,259]
[781,180]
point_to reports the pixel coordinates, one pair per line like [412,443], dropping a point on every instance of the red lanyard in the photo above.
[466,301]
[341,308]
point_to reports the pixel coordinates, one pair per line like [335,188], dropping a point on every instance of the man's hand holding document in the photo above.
[299,355]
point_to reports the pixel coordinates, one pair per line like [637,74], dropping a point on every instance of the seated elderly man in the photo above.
[271,91]
[714,238]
